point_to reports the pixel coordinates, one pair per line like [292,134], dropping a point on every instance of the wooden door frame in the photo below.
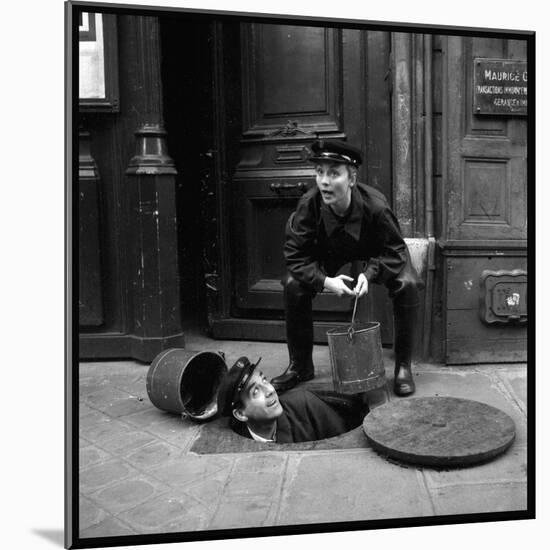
[411,131]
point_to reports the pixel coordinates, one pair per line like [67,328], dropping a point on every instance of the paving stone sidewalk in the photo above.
[138,474]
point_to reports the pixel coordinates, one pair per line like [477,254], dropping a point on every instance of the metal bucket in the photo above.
[356,358]
[186,382]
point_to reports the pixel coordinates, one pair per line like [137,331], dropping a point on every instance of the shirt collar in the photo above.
[353,222]
[257,437]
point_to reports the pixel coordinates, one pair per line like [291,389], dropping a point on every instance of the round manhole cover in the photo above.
[439,431]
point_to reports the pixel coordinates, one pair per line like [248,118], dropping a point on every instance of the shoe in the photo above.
[293,375]
[405,329]
[403,383]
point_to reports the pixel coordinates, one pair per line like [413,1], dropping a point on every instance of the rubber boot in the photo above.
[405,323]
[299,334]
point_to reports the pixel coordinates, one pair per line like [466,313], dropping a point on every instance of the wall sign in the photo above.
[500,87]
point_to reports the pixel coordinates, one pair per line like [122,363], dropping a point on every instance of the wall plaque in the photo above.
[500,87]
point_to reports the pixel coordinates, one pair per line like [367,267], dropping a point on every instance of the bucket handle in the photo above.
[351,329]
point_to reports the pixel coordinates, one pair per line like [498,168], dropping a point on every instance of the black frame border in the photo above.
[72,539]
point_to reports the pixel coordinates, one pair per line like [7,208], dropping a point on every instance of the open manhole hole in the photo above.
[186,383]
[218,435]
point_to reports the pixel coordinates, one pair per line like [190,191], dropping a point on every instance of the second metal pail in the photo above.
[356,358]
[186,382]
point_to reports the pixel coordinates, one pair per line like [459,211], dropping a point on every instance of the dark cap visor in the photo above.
[333,157]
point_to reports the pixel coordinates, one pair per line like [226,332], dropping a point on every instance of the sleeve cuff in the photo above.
[319,282]
[371,272]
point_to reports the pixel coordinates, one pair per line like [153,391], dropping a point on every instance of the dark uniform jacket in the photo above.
[305,417]
[318,242]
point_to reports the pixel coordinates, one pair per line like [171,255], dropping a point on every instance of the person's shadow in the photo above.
[57,536]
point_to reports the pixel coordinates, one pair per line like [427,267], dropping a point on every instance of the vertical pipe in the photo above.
[428,153]
[418,186]
[428,194]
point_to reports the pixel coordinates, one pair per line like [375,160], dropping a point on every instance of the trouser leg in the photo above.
[299,333]
[405,317]
[405,324]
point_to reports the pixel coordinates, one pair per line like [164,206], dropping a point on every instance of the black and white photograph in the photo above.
[296,301]
[300,258]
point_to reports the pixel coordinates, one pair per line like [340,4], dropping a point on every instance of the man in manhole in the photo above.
[257,412]
[337,222]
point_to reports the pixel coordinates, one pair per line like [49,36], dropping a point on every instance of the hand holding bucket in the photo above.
[361,288]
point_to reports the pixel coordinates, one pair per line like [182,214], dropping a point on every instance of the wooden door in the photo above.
[300,83]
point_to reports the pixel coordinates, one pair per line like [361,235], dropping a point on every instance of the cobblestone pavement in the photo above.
[138,474]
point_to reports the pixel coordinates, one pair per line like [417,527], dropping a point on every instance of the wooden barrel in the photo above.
[186,382]
[356,358]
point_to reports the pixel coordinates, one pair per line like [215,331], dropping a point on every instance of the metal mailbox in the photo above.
[503,296]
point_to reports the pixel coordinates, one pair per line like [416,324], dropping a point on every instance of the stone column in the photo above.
[402,130]
[154,298]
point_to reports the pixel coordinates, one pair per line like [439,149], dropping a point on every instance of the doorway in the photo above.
[243,102]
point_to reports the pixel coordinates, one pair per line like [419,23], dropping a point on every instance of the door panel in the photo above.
[298,84]
[259,252]
[290,71]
